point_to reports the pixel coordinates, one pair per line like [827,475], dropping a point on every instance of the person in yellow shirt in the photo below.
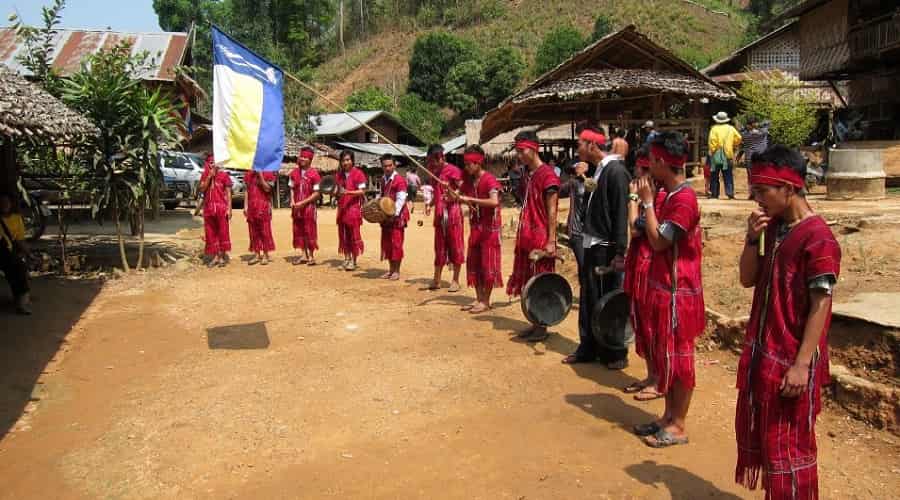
[13,252]
[724,144]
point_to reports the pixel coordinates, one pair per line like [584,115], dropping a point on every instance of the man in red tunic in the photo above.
[304,193]
[481,192]
[392,230]
[537,223]
[258,211]
[351,190]
[793,260]
[215,184]
[448,219]
[674,297]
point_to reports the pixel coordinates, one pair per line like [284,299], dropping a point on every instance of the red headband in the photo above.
[774,175]
[642,161]
[307,153]
[524,144]
[592,136]
[473,158]
[668,158]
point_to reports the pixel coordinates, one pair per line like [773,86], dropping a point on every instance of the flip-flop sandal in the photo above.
[454,287]
[311,262]
[573,359]
[253,261]
[385,276]
[467,308]
[394,277]
[479,310]
[644,430]
[664,439]
[432,287]
[635,387]
[648,395]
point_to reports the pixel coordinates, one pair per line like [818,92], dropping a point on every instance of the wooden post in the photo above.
[8,173]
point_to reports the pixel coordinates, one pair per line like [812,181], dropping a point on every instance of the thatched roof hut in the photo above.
[26,110]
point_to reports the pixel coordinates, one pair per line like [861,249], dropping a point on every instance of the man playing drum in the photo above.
[304,193]
[448,219]
[351,190]
[537,224]
[394,187]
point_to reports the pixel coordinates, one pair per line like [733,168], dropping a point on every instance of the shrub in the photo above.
[434,54]
[556,47]
[792,117]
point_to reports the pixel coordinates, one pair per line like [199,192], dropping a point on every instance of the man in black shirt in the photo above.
[605,240]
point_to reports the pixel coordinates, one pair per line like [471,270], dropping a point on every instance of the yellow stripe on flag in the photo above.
[246,116]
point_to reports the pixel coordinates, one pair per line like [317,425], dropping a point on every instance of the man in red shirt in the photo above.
[793,260]
[351,192]
[537,223]
[674,292]
[392,230]
[258,211]
[481,191]
[215,184]
[448,219]
[304,193]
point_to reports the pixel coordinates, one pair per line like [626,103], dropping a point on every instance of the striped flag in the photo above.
[248,107]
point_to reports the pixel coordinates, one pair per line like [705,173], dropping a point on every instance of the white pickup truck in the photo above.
[181,176]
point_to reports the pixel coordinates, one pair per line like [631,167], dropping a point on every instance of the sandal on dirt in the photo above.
[479,308]
[454,287]
[394,277]
[434,286]
[311,262]
[386,275]
[350,266]
[467,307]
[574,359]
[636,387]
[648,393]
[253,260]
[646,429]
[664,439]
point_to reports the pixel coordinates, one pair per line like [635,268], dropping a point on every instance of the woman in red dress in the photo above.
[304,193]
[258,211]
[351,183]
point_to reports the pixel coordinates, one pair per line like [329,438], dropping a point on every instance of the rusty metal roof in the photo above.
[167,50]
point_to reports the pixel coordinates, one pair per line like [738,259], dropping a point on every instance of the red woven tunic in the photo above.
[532,232]
[776,435]
[215,211]
[349,213]
[637,268]
[674,308]
[259,212]
[483,254]
[448,220]
[303,184]
[392,231]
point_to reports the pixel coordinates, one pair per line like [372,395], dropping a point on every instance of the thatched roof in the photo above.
[622,72]
[614,83]
[28,110]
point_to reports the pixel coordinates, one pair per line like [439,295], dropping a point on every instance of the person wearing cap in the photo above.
[605,241]
[723,146]
[536,233]
[792,260]
[649,130]
[304,183]
[674,307]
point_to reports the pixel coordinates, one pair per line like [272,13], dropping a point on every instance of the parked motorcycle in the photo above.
[34,213]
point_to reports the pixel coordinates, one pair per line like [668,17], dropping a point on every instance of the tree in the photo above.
[474,86]
[423,118]
[38,45]
[369,99]
[466,87]
[503,69]
[556,47]
[792,117]
[602,27]
[434,54]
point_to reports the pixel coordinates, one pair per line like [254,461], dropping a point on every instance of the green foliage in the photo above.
[473,86]
[423,118]
[466,86]
[557,46]
[504,69]
[602,27]
[792,117]
[369,99]
[38,44]
[433,55]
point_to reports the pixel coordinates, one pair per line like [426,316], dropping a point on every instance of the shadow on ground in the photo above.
[244,336]
[679,482]
[28,343]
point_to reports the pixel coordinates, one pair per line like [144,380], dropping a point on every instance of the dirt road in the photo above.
[298,382]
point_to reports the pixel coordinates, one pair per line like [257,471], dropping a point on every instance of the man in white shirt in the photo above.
[394,187]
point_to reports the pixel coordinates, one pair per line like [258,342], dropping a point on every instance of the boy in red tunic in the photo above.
[304,193]
[215,184]
[258,211]
[674,298]
[448,219]
[793,260]
[351,183]
[637,266]
[392,230]
[537,223]
[482,193]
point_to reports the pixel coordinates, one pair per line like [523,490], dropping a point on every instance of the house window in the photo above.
[782,53]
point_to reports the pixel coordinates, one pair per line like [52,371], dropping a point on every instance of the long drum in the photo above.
[378,210]
[546,299]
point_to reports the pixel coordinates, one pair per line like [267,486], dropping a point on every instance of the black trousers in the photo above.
[592,288]
[14,269]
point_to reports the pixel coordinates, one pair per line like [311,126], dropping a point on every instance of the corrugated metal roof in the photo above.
[341,123]
[167,50]
[453,144]
[380,149]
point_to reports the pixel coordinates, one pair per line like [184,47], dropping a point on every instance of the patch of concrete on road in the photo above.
[879,308]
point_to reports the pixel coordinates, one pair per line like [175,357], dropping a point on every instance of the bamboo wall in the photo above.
[824,47]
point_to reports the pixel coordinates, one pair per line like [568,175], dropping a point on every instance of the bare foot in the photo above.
[386,275]
[454,287]
[394,277]
[479,308]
